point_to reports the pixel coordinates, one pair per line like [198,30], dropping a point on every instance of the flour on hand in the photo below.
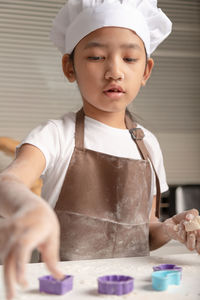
[193,224]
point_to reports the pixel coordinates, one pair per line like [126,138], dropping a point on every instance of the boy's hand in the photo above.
[175,229]
[30,228]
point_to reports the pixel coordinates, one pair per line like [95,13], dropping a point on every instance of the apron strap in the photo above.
[137,136]
[142,147]
[79,130]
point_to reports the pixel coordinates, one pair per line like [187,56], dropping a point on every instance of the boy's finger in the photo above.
[23,251]
[50,256]
[181,233]
[191,241]
[6,230]
[22,258]
[10,275]
[198,241]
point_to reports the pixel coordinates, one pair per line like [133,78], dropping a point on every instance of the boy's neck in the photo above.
[113,119]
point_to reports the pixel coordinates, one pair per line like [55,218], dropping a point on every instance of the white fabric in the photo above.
[78,18]
[56,141]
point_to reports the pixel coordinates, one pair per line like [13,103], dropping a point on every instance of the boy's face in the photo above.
[110,67]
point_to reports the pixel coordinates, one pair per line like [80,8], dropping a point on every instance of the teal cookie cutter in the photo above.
[162,279]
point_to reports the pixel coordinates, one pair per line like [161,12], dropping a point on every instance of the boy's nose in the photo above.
[114,72]
[114,75]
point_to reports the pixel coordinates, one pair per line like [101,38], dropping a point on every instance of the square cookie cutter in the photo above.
[48,284]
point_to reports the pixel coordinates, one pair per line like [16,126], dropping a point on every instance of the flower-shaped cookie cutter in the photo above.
[162,279]
[50,285]
[115,284]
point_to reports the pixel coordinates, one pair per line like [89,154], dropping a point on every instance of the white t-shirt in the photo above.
[56,141]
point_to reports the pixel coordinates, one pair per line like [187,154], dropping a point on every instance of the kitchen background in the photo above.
[33,88]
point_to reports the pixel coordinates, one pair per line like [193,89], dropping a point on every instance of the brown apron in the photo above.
[103,206]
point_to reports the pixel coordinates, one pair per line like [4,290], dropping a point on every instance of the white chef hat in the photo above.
[80,17]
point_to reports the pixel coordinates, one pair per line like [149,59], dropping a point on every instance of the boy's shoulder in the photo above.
[150,140]
[62,126]
[68,119]
[56,130]
[148,135]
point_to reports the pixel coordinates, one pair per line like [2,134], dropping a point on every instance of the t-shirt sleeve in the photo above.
[45,137]
[156,155]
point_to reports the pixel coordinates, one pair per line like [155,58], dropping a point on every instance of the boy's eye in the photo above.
[128,59]
[95,57]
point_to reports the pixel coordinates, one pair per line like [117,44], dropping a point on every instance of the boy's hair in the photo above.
[71,56]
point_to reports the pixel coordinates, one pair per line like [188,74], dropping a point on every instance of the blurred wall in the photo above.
[33,88]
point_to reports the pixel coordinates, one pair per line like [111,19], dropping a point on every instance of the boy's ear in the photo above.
[68,68]
[148,70]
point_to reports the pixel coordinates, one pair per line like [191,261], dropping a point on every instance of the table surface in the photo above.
[85,274]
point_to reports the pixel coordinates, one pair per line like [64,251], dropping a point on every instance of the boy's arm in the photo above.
[16,180]
[157,234]
[161,233]
[29,221]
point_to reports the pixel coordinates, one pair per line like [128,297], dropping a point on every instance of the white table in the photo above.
[86,272]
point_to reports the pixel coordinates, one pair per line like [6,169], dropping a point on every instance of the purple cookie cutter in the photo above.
[50,285]
[115,284]
[163,267]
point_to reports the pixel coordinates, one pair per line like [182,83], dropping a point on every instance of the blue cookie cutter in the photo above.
[115,284]
[50,285]
[162,279]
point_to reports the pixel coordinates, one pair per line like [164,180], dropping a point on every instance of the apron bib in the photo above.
[103,206]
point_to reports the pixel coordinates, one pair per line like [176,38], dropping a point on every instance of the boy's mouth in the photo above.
[114,89]
[114,92]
